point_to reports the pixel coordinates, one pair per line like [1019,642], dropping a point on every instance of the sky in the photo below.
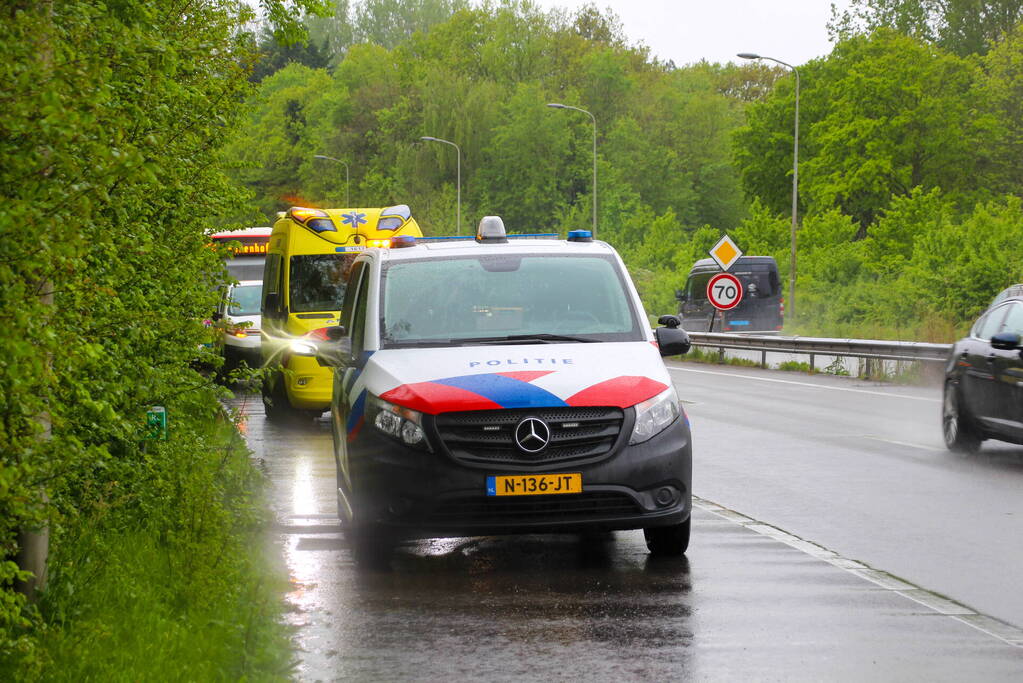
[686,31]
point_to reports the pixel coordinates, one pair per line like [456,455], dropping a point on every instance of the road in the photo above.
[833,539]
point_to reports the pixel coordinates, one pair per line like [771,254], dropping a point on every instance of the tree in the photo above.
[883,114]
[962,27]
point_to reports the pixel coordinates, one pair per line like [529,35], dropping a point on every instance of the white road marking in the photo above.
[805,384]
[905,443]
[1007,633]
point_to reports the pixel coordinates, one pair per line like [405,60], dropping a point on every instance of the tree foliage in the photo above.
[962,27]
[113,118]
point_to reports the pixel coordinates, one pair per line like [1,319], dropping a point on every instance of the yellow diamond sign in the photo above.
[725,253]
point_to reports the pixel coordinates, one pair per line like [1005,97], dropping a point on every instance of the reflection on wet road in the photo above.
[742,606]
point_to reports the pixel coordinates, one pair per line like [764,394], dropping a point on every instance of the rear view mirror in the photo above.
[1006,341]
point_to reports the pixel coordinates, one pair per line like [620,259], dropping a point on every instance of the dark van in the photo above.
[760,310]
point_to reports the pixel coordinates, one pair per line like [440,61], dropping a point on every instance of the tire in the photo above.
[275,401]
[958,431]
[668,541]
[372,547]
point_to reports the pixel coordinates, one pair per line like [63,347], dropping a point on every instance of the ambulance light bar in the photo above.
[314,219]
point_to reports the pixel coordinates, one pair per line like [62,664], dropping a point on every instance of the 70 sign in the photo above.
[724,291]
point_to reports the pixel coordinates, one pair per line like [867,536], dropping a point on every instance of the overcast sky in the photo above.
[687,31]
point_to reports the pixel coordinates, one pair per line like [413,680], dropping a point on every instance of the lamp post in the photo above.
[795,181]
[321,156]
[458,185]
[557,105]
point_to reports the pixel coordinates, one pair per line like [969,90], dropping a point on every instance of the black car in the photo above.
[984,380]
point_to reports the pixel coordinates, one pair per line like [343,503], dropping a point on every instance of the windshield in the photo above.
[317,281]
[756,284]
[245,300]
[497,297]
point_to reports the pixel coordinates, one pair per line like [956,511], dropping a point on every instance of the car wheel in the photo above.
[371,546]
[959,433]
[275,400]
[668,541]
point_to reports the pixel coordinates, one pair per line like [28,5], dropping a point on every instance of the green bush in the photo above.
[111,181]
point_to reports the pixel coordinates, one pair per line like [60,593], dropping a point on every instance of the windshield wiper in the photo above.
[541,338]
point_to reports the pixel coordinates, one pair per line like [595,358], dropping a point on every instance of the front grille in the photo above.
[508,510]
[485,437]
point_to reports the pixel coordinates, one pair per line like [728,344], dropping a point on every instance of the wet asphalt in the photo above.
[750,601]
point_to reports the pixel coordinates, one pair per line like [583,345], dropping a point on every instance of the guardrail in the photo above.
[818,346]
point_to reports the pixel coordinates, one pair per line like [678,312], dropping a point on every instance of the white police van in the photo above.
[502,385]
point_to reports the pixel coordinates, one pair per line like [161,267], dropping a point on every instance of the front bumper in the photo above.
[309,385]
[413,493]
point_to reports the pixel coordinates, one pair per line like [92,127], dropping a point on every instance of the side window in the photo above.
[359,314]
[272,277]
[990,324]
[1014,320]
[351,289]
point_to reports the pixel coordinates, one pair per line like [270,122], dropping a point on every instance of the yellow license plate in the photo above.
[534,484]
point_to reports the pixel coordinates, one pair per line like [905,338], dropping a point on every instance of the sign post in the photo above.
[724,291]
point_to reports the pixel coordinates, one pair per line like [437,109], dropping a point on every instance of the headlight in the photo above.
[399,423]
[303,347]
[654,414]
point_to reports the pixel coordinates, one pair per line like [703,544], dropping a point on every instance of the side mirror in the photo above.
[671,340]
[1006,341]
[217,315]
[336,350]
[680,295]
[271,304]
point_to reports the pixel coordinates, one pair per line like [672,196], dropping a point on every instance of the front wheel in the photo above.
[959,433]
[668,541]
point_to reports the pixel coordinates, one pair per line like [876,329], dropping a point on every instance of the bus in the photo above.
[248,251]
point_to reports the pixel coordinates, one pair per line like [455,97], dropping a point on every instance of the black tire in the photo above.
[958,431]
[668,541]
[371,546]
[275,400]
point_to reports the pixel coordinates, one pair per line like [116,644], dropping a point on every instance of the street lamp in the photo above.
[458,186]
[795,181]
[556,105]
[321,156]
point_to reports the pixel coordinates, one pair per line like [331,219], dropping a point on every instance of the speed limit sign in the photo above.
[724,291]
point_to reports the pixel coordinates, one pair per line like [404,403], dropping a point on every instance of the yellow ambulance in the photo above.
[307,263]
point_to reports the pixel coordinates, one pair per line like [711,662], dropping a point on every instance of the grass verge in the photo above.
[176,584]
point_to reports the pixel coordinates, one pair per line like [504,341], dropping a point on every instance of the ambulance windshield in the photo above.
[495,298]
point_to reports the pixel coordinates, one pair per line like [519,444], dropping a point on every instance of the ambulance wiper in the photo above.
[542,338]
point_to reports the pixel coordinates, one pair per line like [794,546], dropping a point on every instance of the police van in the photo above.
[307,263]
[504,385]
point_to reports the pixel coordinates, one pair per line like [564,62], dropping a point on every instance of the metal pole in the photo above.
[458,186]
[558,105]
[348,204]
[795,208]
[791,309]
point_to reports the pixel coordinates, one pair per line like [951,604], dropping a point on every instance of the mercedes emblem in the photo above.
[532,435]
